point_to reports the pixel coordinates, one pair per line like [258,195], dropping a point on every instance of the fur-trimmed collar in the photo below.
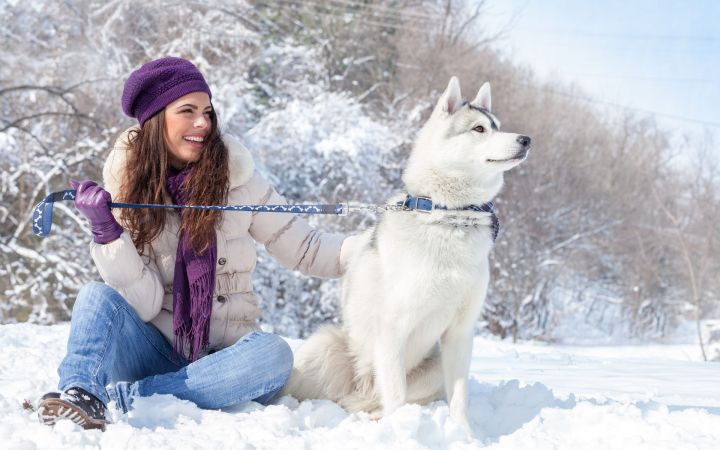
[240,162]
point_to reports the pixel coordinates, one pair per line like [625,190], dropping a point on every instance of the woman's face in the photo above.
[187,125]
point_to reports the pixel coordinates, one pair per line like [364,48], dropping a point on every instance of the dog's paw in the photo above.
[470,432]
[464,423]
[376,414]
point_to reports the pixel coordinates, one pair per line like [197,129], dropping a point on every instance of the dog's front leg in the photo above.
[456,353]
[390,376]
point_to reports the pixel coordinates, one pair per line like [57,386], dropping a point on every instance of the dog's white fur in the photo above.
[416,282]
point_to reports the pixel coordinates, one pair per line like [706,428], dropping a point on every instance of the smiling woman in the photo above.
[177,313]
[178,144]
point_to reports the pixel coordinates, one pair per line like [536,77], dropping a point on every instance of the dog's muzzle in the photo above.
[521,154]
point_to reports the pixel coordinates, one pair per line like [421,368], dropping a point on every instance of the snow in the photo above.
[527,395]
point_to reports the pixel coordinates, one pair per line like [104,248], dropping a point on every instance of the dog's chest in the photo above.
[436,263]
[440,274]
[438,243]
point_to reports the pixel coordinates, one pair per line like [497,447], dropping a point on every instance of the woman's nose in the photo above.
[201,122]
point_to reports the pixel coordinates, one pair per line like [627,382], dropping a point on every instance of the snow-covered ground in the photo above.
[529,396]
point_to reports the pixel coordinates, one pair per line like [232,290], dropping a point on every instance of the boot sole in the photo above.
[53,409]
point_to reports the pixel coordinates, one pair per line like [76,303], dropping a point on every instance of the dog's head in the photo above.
[460,153]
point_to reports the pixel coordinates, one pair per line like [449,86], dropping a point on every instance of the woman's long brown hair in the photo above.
[145,182]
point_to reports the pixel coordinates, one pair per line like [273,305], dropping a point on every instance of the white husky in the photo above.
[416,282]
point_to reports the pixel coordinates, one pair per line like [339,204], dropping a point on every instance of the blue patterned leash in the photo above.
[42,214]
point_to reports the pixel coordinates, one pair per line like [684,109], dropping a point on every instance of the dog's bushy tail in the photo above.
[323,367]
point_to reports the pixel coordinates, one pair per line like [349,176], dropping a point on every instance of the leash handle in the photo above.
[42,214]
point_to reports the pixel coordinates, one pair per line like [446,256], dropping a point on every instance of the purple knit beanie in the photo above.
[157,83]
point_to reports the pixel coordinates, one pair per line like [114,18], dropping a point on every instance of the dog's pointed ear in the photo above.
[451,99]
[482,99]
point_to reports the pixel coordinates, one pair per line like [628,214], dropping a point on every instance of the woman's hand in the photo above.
[351,246]
[94,203]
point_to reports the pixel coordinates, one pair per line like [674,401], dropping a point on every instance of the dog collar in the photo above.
[425,204]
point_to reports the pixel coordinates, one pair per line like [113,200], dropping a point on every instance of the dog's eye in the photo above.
[479,129]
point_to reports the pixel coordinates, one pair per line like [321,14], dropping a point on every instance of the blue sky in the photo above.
[658,56]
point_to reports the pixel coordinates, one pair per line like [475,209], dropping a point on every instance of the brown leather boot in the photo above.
[74,404]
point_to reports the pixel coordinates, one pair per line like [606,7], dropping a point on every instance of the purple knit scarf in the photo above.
[193,283]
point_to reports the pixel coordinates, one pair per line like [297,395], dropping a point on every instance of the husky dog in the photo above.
[416,282]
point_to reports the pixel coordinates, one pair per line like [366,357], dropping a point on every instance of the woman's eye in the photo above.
[479,129]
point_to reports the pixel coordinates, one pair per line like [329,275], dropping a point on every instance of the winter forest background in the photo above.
[611,229]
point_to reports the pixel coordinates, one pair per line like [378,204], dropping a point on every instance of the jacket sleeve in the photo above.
[290,239]
[135,277]
[138,281]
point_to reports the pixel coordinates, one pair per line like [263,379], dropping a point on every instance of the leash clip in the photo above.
[343,209]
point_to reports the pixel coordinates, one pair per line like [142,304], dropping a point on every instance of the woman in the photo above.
[177,314]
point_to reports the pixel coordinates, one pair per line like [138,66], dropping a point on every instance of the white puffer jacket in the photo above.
[146,282]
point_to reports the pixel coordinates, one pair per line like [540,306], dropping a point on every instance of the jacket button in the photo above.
[222,261]
[221,299]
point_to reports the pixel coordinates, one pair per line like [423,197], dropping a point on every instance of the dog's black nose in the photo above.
[523,140]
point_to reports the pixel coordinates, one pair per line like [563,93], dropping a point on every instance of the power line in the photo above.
[617,105]
[666,37]
[616,49]
[659,79]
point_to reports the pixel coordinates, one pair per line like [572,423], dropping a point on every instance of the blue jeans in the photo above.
[109,343]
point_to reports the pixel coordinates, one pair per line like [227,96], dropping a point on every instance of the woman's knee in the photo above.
[284,357]
[275,353]
[95,295]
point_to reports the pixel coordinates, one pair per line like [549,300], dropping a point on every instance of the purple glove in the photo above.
[93,202]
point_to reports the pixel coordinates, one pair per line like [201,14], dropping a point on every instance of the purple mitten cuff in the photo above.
[107,232]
